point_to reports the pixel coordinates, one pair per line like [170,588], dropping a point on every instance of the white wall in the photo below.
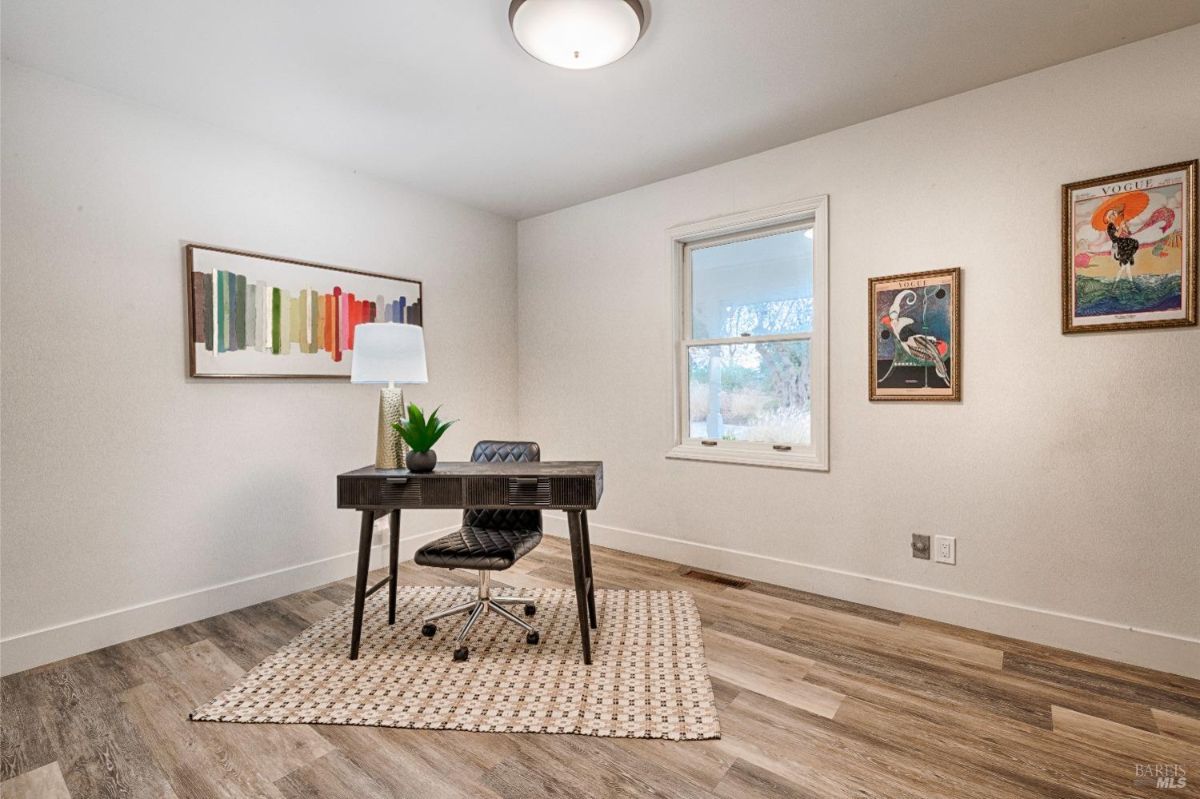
[1068,472]
[143,498]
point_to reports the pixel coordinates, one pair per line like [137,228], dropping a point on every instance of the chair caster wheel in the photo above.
[530,610]
[532,638]
[428,630]
[461,653]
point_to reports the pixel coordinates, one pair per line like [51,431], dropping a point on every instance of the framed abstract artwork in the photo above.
[1129,250]
[916,339]
[253,315]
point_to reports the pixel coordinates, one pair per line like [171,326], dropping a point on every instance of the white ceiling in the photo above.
[436,94]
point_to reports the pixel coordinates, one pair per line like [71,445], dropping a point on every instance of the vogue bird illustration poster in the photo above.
[916,346]
[1129,250]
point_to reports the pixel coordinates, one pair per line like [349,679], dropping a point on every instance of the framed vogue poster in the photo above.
[254,315]
[916,341]
[1129,250]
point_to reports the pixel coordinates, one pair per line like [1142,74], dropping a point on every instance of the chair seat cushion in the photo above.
[472,547]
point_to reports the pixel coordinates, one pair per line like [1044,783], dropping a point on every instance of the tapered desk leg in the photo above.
[581,587]
[393,561]
[587,567]
[360,579]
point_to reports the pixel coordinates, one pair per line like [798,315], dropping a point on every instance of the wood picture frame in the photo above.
[1129,250]
[252,315]
[914,324]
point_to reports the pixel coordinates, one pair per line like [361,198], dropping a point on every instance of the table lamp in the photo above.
[388,353]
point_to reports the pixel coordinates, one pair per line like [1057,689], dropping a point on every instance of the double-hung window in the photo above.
[751,346]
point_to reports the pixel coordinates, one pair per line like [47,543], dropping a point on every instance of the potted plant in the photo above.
[421,433]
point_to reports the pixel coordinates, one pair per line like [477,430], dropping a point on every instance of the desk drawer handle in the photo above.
[709,443]
[398,480]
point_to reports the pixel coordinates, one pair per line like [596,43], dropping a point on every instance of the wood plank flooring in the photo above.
[818,698]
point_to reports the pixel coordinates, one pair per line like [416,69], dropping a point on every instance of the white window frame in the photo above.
[815,212]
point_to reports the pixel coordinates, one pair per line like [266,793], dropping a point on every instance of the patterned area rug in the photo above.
[648,678]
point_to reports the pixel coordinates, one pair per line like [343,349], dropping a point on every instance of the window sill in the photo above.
[744,457]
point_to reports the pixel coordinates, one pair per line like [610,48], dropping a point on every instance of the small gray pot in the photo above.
[421,462]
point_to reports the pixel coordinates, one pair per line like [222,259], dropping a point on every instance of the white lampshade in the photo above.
[576,34]
[387,352]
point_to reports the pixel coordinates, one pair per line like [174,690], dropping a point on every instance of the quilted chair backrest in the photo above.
[505,452]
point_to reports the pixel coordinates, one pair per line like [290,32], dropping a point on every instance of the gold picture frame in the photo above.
[914,324]
[1129,250]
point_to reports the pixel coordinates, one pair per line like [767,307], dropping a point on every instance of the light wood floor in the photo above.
[817,698]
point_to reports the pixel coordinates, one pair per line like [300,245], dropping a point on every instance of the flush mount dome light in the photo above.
[577,34]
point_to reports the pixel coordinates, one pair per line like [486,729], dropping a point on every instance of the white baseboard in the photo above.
[24,651]
[1153,649]
[1150,648]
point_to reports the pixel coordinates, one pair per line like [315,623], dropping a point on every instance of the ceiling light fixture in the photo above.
[577,34]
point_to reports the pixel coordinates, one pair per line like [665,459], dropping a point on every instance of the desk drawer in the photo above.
[400,492]
[527,491]
[499,492]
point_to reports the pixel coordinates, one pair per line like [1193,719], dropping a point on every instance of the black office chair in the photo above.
[489,540]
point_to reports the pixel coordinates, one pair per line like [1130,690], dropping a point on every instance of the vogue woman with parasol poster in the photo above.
[1129,250]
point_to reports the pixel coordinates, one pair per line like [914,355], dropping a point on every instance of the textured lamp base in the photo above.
[389,449]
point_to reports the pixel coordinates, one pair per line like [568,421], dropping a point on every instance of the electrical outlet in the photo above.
[944,549]
[920,546]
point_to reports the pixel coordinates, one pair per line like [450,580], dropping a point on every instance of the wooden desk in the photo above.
[571,486]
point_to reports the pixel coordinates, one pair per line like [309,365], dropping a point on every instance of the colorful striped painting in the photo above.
[261,316]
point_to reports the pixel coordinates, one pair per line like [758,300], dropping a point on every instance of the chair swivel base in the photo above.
[475,609]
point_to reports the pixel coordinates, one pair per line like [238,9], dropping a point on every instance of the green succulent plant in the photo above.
[419,432]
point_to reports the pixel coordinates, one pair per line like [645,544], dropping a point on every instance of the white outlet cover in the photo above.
[944,549]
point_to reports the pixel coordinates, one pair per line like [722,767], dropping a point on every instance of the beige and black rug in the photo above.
[648,678]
